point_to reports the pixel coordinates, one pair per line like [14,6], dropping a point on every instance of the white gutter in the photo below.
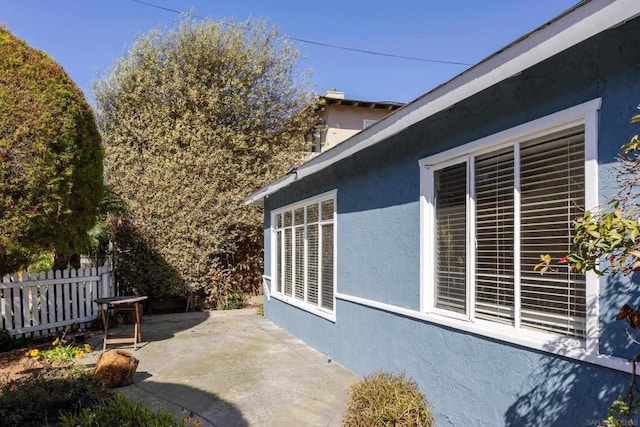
[576,26]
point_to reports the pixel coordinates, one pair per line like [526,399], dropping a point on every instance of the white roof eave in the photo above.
[584,21]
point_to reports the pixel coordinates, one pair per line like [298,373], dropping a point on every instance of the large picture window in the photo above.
[304,254]
[490,214]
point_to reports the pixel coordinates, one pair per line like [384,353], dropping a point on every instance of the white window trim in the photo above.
[586,115]
[466,160]
[291,300]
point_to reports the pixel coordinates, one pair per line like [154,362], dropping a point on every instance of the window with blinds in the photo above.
[552,195]
[451,237]
[494,225]
[304,253]
[494,213]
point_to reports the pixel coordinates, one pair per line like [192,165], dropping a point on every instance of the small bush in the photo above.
[235,300]
[9,342]
[69,395]
[58,352]
[120,411]
[39,398]
[383,399]
[6,340]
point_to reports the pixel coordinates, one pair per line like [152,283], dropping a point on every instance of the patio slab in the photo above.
[234,368]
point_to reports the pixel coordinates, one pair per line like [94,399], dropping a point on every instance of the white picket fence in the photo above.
[43,303]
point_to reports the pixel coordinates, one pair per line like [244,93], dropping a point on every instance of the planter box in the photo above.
[169,305]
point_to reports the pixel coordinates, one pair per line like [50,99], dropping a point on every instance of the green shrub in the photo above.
[59,352]
[120,411]
[41,262]
[68,395]
[10,342]
[39,398]
[6,340]
[206,111]
[51,180]
[383,399]
[235,300]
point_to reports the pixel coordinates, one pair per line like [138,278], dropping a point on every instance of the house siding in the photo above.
[344,121]
[468,379]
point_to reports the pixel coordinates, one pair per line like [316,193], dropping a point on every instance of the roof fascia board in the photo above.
[258,197]
[574,27]
[362,103]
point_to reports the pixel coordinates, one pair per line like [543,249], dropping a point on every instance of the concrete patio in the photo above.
[234,368]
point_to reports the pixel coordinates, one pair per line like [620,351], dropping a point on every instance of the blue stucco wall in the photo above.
[468,379]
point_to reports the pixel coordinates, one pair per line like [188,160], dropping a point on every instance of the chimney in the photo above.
[334,94]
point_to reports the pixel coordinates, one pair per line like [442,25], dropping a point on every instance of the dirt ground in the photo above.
[14,364]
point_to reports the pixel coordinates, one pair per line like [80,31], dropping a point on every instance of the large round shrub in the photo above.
[50,157]
[194,119]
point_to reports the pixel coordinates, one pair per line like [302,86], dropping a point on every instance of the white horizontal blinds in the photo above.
[326,239]
[552,195]
[494,226]
[304,249]
[288,254]
[279,261]
[279,253]
[312,268]
[451,235]
[327,266]
[298,221]
[313,253]
[327,210]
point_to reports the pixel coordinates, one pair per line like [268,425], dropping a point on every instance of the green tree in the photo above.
[50,158]
[193,119]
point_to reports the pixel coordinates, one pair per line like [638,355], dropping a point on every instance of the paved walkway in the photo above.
[235,368]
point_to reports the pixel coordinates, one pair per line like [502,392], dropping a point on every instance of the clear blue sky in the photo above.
[86,36]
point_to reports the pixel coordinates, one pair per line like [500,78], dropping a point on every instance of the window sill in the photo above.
[331,316]
[566,347]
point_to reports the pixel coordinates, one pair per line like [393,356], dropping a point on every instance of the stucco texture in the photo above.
[468,379]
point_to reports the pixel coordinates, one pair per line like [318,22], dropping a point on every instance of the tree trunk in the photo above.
[115,368]
[74,261]
[60,261]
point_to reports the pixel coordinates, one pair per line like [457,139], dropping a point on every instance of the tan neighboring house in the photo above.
[341,118]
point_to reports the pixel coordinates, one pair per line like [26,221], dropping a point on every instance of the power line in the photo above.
[163,8]
[369,52]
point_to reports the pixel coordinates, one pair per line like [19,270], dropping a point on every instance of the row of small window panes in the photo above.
[322,210]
